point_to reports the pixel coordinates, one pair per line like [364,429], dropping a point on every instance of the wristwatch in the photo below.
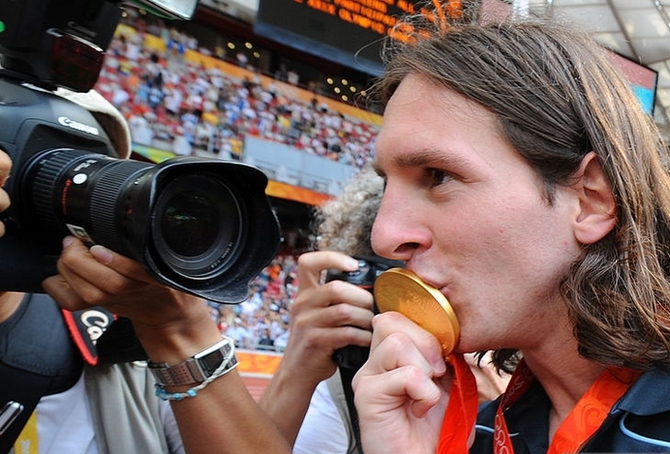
[198,368]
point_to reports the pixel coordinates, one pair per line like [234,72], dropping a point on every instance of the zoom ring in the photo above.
[104,205]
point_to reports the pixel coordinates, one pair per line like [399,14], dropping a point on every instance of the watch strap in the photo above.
[198,368]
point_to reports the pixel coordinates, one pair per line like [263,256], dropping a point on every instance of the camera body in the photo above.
[203,226]
[28,251]
[369,268]
[50,44]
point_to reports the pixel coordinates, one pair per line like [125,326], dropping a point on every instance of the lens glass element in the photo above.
[198,226]
[189,223]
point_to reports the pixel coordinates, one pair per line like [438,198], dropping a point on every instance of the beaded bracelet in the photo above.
[229,363]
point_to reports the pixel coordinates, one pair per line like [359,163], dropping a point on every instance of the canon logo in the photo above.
[96,323]
[65,121]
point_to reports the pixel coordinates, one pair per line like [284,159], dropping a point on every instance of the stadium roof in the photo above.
[637,29]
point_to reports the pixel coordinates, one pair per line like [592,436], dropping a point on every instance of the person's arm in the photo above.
[172,326]
[324,317]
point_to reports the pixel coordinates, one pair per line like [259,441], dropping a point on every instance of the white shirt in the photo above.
[322,430]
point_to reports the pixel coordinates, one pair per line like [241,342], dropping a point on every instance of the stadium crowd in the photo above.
[261,322]
[180,105]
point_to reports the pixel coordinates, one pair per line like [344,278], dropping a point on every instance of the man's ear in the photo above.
[597,208]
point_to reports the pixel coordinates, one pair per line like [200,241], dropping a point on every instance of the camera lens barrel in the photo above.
[202,226]
[76,192]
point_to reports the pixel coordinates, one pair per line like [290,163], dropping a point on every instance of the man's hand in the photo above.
[324,318]
[402,391]
[100,277]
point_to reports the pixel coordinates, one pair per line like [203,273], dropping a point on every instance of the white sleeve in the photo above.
[322,430]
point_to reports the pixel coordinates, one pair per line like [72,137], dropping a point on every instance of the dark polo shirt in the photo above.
[638,423]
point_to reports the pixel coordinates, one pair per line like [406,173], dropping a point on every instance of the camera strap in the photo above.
[43,349]
[37,358]
[347,375]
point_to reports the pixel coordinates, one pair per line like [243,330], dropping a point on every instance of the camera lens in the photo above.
[202,226]
[198,226]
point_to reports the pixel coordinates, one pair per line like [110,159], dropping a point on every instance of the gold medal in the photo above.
[403,291]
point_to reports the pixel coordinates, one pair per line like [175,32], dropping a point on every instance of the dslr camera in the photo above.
[203,226]
[369,268]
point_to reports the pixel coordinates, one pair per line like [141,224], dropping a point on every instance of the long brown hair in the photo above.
[556,97]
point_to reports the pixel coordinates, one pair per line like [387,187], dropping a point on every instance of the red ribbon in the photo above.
[461,415]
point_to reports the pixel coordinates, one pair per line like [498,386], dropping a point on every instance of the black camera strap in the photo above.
[37,358]
[43,350]
[347,375]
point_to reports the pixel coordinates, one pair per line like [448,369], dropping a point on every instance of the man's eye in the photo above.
[439,177]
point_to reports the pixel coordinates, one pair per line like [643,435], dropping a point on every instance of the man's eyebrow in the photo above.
[429,156]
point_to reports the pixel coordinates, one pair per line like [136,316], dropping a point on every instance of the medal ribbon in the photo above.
[582,421]
[461,415]
[580,424]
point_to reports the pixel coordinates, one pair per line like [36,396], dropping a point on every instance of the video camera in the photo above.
[204,226]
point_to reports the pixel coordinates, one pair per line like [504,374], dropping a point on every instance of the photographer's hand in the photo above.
[324,318]
[402,391]
[5,168]
[172,326]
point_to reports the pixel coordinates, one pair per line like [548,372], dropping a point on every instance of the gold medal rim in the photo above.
[434,294]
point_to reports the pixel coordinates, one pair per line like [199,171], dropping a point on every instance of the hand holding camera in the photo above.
[97,276]
[326,317]
[369,269]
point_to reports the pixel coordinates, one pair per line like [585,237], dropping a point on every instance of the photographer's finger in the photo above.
[4,204]
[121,264]
[346,292]
[5,168]
[345,315]
[61,290]
[351,326]
[99,276]
[336,292]
[79,277]
[311,264]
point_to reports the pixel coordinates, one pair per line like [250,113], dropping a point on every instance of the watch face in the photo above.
[209,362]
[198,368]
